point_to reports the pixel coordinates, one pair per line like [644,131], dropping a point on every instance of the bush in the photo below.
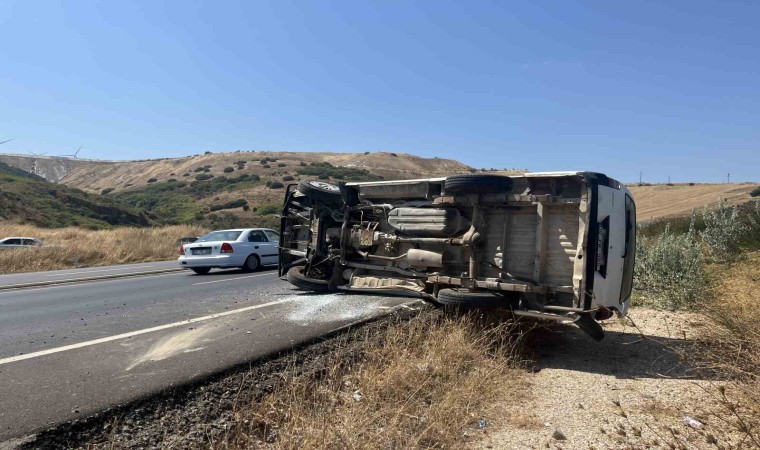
[268,209]
[228,169]
[185,174]
[276,185]
[267,166]
[263,161]
[171,180]
[152,180]
[393,154]
[669,270]
[302,164]
[723,232]
[204,176]
[200,169]
[282,165]
[755,192]
[206,153]
[106,191]
[230,205]
[288,178]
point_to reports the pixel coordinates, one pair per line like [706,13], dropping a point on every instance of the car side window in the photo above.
[257,236]
[28,242]
[12,242]
[273,235]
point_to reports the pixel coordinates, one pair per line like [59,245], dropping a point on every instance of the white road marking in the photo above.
[139,332]
[64,284]
[101,270]
[230,279]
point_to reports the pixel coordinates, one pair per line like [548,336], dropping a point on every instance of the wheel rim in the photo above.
[253,263]
[324,186]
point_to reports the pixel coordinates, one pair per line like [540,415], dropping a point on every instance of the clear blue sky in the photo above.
[669,88]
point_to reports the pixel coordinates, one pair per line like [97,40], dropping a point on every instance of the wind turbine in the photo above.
[1,143]
[75,153]
[37,154]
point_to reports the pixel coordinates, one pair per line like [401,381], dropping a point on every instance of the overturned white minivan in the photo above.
[547,245]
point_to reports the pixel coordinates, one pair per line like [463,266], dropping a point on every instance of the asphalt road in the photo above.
[68,351]
[84,272]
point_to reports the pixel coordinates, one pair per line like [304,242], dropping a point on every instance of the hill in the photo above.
[661,200]
[27,198]
[224,189]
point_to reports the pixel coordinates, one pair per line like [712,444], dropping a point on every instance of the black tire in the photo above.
[590,326]
[201,270]
[474,183]
[320,191]
[296,277]
[252,263]
[463,298]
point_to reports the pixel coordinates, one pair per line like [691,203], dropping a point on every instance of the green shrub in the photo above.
[326,171]
[228,169]
[276,185]
[230,205]
[282,165]
[152,180]
[288,178]
[263,161]
[106,191]
[204,176]
[755,192]
[267,166]
[669,271]
[199,169]
[723,232]
[268,209]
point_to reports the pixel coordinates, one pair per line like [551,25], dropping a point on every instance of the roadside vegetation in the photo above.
[78,247]
[428,382]
[712,267]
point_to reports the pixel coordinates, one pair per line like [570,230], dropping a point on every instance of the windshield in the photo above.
[220,236]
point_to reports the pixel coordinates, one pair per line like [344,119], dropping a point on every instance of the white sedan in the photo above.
[20,242]
[245,248]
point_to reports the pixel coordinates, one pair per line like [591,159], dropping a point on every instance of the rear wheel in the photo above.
[296,277]
[201,270]
[251,263]
[320,191]
[475,183]
[466,299]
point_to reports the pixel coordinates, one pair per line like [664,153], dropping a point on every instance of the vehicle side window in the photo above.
[12,242]
[257,236]
[28,242]
[272,235]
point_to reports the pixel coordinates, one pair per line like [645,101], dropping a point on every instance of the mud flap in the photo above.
[590,326]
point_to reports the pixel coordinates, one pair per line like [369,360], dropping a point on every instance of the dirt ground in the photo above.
[660,200]
[628,391]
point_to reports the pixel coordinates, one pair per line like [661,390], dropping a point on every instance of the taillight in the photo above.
[227,248]
[181,249]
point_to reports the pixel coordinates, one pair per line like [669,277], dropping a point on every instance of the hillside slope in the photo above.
[660,200]
[94,176]
[27,198]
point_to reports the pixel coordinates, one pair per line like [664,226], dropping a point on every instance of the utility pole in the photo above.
[668,179]
[729,178]
[640,174]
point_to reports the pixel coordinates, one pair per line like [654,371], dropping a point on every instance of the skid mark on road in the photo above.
[182,342]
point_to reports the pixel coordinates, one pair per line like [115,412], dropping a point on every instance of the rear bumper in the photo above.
[210,261]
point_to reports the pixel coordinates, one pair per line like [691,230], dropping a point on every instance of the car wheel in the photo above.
[251,263]
[464,298]
[296,277]
[473,183]
[320,191]
[201,270]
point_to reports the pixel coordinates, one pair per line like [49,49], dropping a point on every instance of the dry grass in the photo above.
[659,201]
[424,383]
[77,247]
[731,346]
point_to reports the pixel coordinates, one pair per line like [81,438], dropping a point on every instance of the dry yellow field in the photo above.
[658,201]
[78,247]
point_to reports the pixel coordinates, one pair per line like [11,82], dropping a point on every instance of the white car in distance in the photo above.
[20,242]
[244,248]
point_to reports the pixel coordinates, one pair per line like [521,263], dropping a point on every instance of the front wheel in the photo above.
[297,278]
[201,270]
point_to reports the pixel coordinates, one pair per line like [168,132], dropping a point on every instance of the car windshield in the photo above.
[220,236]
